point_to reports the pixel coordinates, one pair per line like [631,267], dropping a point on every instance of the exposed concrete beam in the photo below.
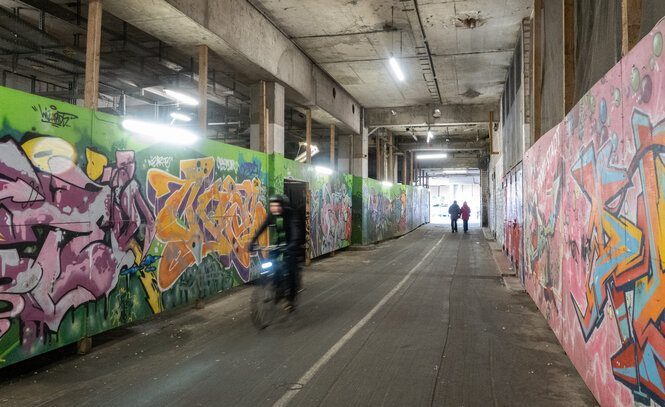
[442,146]
[424,115]
[248,43]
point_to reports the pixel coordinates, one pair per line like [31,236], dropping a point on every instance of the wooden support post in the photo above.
[308,134]
[263,118]
[568,55]
[203,89]
[93,47]
[391,164]
[631,15]
[537,74]
[411,171]
[404,168]
[332,147]
[378,157]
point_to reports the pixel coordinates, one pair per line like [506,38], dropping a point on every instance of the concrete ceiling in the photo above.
[352,41]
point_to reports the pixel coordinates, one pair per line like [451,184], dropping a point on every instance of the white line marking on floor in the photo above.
[290,394]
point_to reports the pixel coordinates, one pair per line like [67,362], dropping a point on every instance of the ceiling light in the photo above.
[431,156]
[302,157]
[160,132]
[181,117]
[392,112]
[396,69]
[181,97]
[437,113]
[429,135]
[323,170]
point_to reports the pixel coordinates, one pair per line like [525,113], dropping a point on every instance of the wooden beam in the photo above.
[263,119]
[308,134]
[537,74]
[332,147]
[93,47]
[568,55]
[203,89]
[631,15]
[378,157]
[391,157]
[404,168]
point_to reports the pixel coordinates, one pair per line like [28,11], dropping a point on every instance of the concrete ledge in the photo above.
[513,284]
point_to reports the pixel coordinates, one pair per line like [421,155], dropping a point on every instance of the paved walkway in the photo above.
[418,321]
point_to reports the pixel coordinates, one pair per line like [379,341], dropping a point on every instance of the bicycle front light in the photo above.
[266,265]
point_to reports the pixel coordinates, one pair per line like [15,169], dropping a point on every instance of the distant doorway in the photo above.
[298,194]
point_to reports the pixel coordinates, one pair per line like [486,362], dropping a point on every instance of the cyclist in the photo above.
[289,235]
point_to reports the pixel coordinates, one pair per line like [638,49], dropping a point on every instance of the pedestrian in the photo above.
[466,213]
[454,212]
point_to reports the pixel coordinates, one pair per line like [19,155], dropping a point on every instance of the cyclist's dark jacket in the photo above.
[288,231]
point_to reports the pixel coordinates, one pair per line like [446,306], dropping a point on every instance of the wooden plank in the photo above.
[203,89]
[263,119]
[308,134]
[391,163]
[93,47]
[537,74]
[631,15]
[568,55]
[404,169]
[332,146]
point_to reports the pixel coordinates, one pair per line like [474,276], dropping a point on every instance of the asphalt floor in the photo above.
[423,320]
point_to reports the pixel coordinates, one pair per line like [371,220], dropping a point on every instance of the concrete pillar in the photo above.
[391,159]
[344,154]
[308,135]
[484,197]
[360,151]
[378,157]
[93,47]
[266,115]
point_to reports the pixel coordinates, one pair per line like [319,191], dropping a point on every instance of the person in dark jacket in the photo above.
[466,214]
[454,212]
[290,236]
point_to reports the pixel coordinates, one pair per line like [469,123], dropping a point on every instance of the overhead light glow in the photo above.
[431,156]
[181,97]
[387,184]
[181,117]
[160,132]
[396,69]
[302,157]
[429,135]
[323,170]
[266,265]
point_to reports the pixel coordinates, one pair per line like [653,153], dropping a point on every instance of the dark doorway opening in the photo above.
[298,194]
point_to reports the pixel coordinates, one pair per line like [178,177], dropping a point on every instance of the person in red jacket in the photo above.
[466,213]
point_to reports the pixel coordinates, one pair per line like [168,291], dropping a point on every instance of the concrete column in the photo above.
[484,196]
[360,152]
[378,157]
[344,156]
[267,117]
[391,158]
[92,51]
[308,135]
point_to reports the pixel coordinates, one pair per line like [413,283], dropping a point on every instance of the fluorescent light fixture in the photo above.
[160,132]
[396,69]
[387,184]
[431,156]
[181,97]
[429,135]
[302,157]
[181,117]
[266,265]
[323,170]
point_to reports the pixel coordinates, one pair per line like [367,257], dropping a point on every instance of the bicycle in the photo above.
[270,288]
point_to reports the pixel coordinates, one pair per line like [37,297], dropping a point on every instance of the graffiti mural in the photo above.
[387,211]
[198,215]
[331,217]
[594,212]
